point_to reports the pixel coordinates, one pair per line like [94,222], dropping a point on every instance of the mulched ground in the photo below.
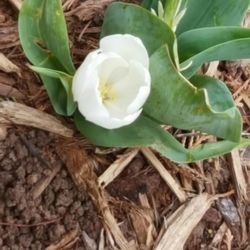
[40,204]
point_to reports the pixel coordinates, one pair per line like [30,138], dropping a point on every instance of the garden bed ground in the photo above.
[56,191]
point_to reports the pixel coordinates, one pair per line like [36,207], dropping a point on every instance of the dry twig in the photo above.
[41,185]
[217,240]
[7,66]
[19,114]
[116,167]
[66,242]
[170,181]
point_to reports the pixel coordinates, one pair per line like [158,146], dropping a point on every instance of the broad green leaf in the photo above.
[66,81]
[53,30]
[29,25]
[208,44]
[219,96]
[208,13]
[121,18]
[146,132]
[175,101]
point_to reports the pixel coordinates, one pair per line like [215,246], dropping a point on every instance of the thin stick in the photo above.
[116,167]
[171,182]
[30,225]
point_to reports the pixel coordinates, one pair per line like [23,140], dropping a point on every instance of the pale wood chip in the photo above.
[87,10]
[241,88]
[143,221]
[217,240]
[19,114]
[117,167]
[238,175]
[7,66]
[16,3]
[42,184]
[3,132]
[68,240]
[9,91]
[246,99]
[170,181]
[212,68]
[101,245]
[228,239]
[182,222]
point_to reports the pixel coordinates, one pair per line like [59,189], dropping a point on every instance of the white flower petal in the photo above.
[82,76]
[112,66]
[113,122]
[123,74]
[132,90]
[127,46]
[90,101]
[139,100]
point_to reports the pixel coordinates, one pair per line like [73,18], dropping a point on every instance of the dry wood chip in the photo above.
[117,167]
[217,240]
[16,113]
[228,239]
[238,175]
[67,241]
[183,221]
[212,68]
[16,3]
[101,245]
[42,184]
[246,99]
[3,132]
[89,9]
[7,66]
[170,181]
[143,222]
[9,91]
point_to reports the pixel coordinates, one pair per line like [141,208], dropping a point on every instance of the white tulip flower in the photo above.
[113,82]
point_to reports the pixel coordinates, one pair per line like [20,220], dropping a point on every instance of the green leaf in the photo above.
[175,101]
[219,96]
[209,44]
[32,31]
[209,13]
[66,81]
[121,18]
[171,9]
[146,132]
[152,4]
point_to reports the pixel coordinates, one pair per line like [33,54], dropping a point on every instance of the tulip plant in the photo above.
[145,73]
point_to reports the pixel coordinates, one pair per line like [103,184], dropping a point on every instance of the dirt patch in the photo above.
[36,223]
